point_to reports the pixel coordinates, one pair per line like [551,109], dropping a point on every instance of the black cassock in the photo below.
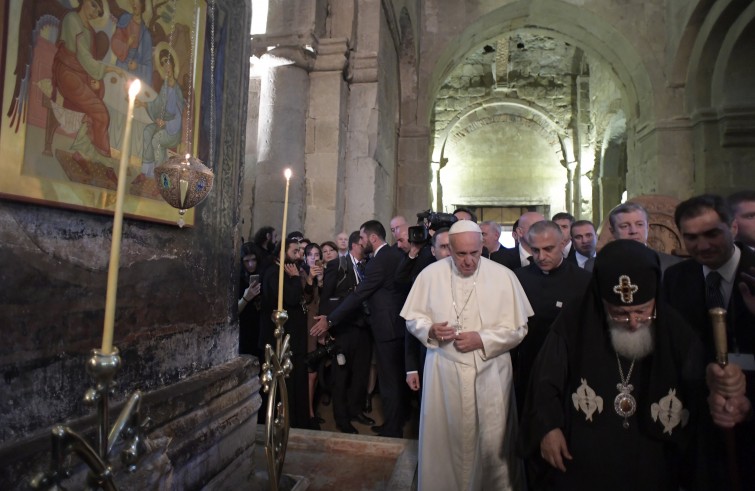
[548,295]
[573,387]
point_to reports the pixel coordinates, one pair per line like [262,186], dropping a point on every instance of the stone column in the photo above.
[435,184]
[326,128]
[284,94]
[363,175]
[414,174]
[570,193]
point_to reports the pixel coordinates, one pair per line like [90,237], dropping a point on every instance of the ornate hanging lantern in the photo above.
[184,182]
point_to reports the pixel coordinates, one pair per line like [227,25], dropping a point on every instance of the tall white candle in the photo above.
[282,258]
[115,248]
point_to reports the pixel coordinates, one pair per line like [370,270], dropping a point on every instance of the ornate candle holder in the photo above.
[276,368]
[129,426]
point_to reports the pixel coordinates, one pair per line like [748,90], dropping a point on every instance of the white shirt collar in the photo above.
[728,272]
[581,260]
[524,256]
[378,249]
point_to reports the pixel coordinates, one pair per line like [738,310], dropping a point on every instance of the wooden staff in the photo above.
[718,320]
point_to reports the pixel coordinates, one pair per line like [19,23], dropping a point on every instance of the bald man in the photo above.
[519,256]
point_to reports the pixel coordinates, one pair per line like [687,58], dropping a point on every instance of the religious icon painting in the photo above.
[68,64]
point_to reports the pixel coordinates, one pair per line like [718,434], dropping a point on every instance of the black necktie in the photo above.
[713,296]
[360,271]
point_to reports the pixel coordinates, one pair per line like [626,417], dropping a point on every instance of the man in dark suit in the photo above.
[352,338]
[519,256]
[565,221]
[713,278]
[585,241]
[384,300]
[631,221]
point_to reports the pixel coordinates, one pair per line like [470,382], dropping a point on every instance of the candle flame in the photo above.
[134,88]
[287,173]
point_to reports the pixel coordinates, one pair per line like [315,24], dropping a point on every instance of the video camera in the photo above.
[429,220]
[330,349]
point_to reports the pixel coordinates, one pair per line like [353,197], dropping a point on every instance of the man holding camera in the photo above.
[352,339]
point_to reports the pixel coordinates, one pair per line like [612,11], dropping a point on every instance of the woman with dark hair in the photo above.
[250,300]
[312,277]
[329,251]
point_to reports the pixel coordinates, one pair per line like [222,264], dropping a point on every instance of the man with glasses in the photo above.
[617,391]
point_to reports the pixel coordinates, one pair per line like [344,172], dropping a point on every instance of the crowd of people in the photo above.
[548,365]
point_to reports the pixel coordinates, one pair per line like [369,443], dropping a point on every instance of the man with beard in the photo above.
[384,300]
[617,389]
[293,291]
[469,312]
[551,283]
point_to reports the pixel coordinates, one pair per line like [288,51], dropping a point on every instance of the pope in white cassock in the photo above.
[469,312]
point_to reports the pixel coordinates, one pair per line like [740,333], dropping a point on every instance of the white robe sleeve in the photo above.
[505,314]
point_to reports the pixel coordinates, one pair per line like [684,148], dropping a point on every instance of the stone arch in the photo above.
[522,112]
[719,98]
[569,23]
[501,153]
[560,20]
[726,29]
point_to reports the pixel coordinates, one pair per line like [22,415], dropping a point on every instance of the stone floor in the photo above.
[330,460]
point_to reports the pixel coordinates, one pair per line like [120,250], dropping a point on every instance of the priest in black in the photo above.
[297,384]
[617,390]
[550,282]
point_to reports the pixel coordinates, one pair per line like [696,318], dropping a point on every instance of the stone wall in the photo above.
[176,304]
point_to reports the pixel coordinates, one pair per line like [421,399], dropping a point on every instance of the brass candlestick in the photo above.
[276,368]
[130,426]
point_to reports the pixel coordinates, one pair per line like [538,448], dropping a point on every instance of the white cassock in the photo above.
[468,422]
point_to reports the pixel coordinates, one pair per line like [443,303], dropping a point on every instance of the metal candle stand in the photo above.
[129,426]
[276,368]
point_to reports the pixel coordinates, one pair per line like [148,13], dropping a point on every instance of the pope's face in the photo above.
[466,248]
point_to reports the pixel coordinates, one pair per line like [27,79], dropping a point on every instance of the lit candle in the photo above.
[282,258]
[115,248]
